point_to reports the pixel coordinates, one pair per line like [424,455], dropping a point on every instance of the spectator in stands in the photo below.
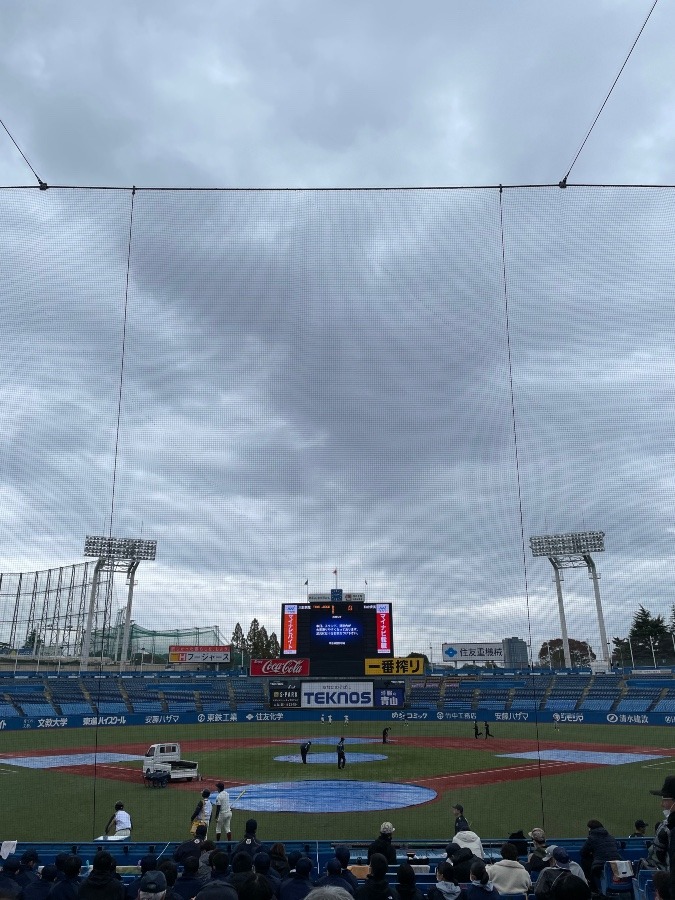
[256,887]
[600,847]
[249,843]
[508,875]
[334,877]
[461,859]
[202,813]
[328,892]
[262,865]
[640,829]
[293,857]
[169,870]
[406,883]
[38,889]
[447,885]
[147,863]
[191,847]
[67,887]
[559,865]
[298,885]
[204,871]
[480,887]
[470,840]
[152,886]
[187,885]
[223,812]
[383,844]
[343,853]
[535,861]
[219,887]
[659,855]
[279,860]
[242,866]
[220,865]
[29,870]
[121,820]
[9,885]
[59,860]
[461,823]
[102,882]
[376,886]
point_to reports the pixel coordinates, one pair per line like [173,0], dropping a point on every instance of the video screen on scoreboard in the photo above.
[336,631]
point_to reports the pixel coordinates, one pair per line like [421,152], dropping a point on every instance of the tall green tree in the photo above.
[253,638]
[649,639]
[553,653]
[274,650]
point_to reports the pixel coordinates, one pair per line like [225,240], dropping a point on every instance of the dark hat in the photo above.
[148,862]
[200,831]
[452,848]
[49,873]
[220,785]
[379,865]
[30,856]
[262,862]
[11,865]
[561,857]
[343,853]
[304,865]
[458,806]
[640,823]
[152,882]
[251,826]
[668,789]
[334,866]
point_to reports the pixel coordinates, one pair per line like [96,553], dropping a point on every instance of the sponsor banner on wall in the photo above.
[389,698]
[279,668]
[183,653]
[470,653]
[396,665]
[337,694]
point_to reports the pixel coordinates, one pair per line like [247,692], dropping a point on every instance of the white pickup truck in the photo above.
[165,759]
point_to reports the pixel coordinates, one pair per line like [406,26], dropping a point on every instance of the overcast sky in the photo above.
[317,379]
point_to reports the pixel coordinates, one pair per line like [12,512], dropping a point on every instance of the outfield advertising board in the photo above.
[184,653]
[337,695]
[473,653]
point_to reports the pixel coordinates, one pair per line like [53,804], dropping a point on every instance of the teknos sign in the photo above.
[279,668]
[336,695]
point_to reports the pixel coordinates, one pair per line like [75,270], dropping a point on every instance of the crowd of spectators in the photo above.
[202,870]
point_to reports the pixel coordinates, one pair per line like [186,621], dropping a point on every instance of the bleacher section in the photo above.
[425,693]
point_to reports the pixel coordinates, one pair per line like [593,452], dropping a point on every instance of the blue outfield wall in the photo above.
[403,716]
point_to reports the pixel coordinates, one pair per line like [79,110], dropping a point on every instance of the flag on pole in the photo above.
[307,582]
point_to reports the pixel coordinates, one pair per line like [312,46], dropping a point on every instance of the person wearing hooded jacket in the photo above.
[508,875]
[102,882]
[376,886]
[446,887]
[480,887]
[461,859]
[600,847]
[471,840]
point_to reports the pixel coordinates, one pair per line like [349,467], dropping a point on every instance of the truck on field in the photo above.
[165,760]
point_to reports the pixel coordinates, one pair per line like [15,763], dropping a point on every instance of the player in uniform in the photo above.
[385,735]
[341,758]
[304,750]
[223,812]
[122,821]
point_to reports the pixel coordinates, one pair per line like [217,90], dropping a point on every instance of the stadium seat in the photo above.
[612,885]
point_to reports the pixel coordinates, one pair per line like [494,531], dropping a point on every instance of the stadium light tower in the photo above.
[114,555]
[572,551]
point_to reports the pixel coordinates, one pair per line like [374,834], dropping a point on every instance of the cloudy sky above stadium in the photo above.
[320,378]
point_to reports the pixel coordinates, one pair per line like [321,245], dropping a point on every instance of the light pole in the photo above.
[573,551]
[114,555]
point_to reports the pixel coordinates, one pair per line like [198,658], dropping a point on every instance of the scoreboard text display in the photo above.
[180,653]
[337,637]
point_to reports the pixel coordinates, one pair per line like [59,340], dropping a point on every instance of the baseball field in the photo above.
[62,785]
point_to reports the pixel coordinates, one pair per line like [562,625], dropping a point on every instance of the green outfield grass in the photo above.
[49,805]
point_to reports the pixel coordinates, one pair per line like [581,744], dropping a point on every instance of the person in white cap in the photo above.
[383,844]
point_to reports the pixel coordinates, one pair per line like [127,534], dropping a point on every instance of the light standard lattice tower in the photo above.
[573,551]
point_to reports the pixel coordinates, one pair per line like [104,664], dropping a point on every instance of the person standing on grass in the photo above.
[341,758]
[304,750]
[476,730]
[202,813]
[223,812]
[461,823]
[385,735]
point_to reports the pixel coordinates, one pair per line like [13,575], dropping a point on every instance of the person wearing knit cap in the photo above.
[383,844]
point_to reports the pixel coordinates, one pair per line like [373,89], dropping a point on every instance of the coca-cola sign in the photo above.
[279,668]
